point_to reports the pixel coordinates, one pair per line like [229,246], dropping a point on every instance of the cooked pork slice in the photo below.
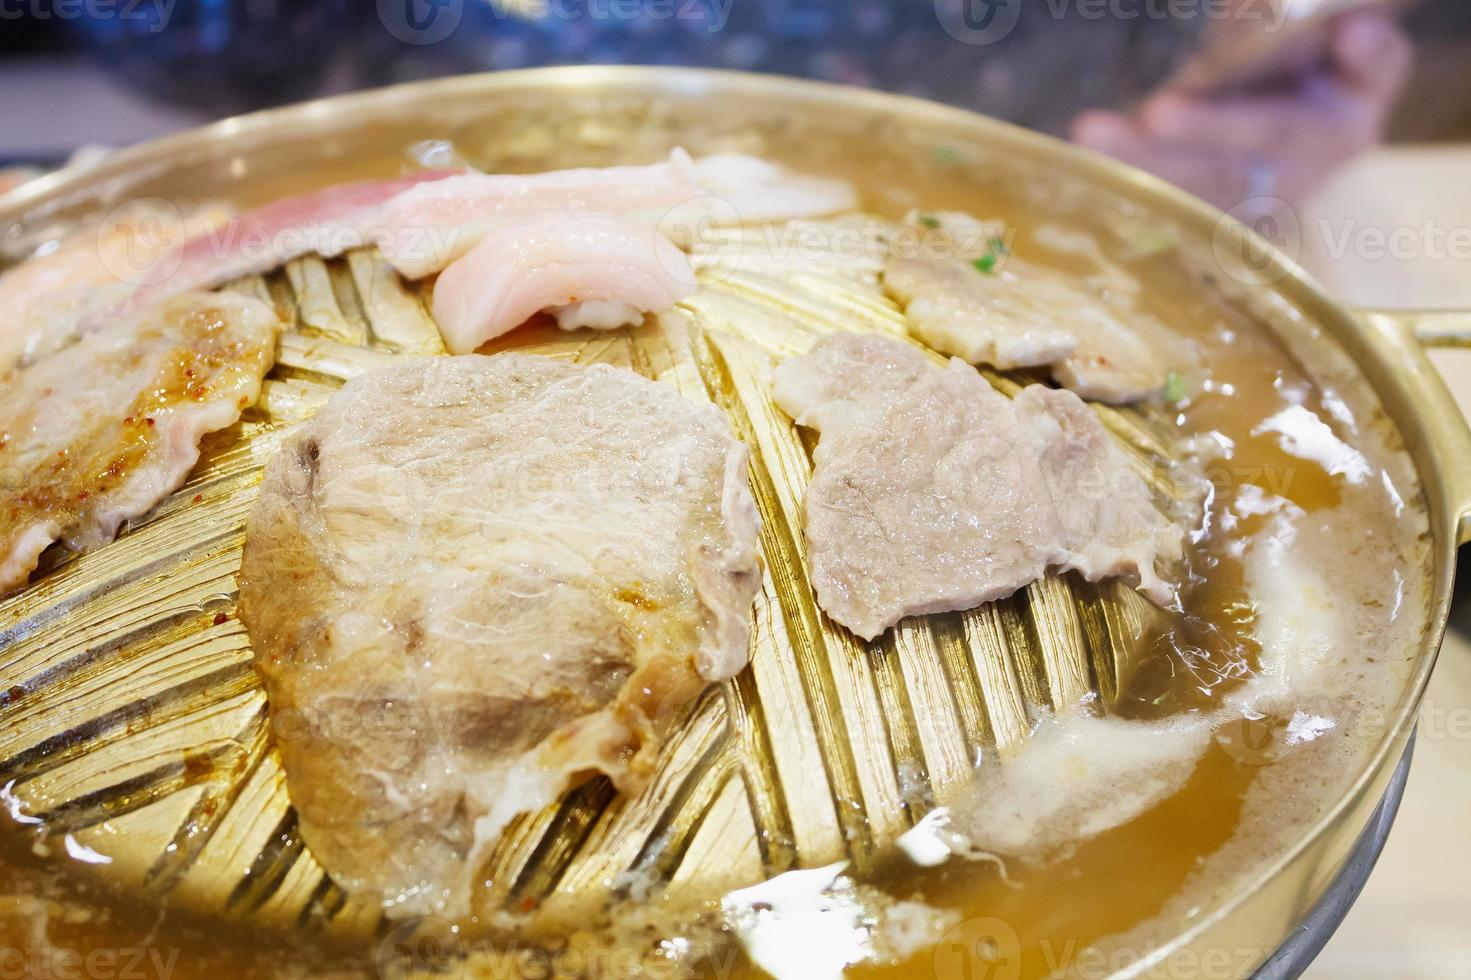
[590,270]
[925,495]
[956,308]
[99,432]
[932,492]
[1109,524]
[1119,354]
[963,294]
[472,582]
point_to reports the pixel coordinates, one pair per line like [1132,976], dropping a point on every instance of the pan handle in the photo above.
[1450,439]
[1432,328]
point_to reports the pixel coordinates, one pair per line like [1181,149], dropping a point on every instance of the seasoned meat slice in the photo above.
[470,583]
[99,432]
[932,492]
[1008,313]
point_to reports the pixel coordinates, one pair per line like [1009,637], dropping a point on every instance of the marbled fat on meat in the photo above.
[470,583]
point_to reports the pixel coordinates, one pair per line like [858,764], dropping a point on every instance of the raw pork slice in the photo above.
[98,433]
[1008,313]
[741,190]
[590,270]
[933,492]
[48,300]
[438,222]
[325,222]
[470,583]
[756,190]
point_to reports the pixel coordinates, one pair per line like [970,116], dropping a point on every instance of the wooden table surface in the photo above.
[1413,921]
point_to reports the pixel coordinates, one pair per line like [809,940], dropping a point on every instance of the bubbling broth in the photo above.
[1267,420]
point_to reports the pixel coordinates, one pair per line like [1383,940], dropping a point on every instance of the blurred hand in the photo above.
[1279,145]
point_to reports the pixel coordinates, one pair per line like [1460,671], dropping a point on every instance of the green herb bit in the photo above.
[947,155]
[1174,387]
[998,244]
[986,263]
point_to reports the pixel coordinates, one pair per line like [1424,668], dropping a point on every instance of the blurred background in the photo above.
[114,71]
[1345,124]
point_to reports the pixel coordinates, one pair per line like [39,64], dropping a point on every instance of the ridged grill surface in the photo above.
[134,721]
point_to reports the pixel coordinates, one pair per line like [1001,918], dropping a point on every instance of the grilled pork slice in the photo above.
[472,582]
[933,492]
[99,432]
[963,295]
